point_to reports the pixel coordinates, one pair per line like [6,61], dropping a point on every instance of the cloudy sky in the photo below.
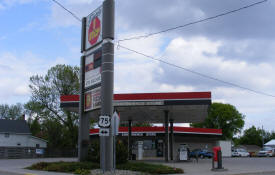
[238,48]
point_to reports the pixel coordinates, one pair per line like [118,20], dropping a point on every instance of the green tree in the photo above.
[35,126]
[225,117]
[269,136]
[11,112]
[58,126]
[252,136]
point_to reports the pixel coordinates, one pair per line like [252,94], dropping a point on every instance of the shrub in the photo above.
[39,166]
[94,152]
[82,171]
[149,168]
[121,153]
[64,166]
[84,168]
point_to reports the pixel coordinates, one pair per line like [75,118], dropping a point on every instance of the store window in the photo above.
[148,145]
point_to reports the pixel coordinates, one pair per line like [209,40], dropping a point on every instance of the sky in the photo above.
[238,48]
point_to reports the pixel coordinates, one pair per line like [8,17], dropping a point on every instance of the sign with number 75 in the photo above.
[104,121]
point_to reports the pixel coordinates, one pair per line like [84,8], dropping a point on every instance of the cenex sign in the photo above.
[94,28]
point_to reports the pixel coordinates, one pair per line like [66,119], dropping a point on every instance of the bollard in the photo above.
[213,163]
[219,160]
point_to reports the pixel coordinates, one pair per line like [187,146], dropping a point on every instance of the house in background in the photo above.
[252,149]
[16,140]
[271,143]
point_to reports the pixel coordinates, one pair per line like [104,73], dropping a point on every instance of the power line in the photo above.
[195,22]
[174,65]
[62,6]
[198,73]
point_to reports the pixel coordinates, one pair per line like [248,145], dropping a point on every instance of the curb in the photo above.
[256,173]
[15,173]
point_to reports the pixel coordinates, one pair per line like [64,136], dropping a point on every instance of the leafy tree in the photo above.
[11,112]
[252,136]
[255,136]
[58,126]
[225,117]
[35,126]
[269,136]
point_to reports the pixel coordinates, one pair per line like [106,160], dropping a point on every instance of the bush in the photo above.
[121,153]
[82,171]
[84,168]
[94,152]
[63,166]
[39,166]
[149,168]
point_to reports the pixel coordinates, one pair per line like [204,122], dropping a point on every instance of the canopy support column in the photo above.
[166,135]
[130,140]
[171,138]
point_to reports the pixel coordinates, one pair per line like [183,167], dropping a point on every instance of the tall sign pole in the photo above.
[97,81]
[107,83]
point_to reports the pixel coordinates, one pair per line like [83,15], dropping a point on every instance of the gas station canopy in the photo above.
[183,107]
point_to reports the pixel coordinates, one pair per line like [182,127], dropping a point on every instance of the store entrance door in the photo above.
[159,148]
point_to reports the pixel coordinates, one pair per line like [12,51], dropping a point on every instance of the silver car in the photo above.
[240,152]
[266,152]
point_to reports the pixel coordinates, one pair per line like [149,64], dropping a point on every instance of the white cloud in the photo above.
[135,73]
[9,3]
[61,18]
[15,71]
[200,54]
[171,88]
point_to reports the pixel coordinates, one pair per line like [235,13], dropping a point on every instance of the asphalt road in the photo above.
[235,166]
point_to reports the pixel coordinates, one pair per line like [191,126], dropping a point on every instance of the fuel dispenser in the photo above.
[217,157]
[140,150]
[183,153]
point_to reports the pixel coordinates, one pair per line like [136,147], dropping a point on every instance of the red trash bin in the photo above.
[215,151]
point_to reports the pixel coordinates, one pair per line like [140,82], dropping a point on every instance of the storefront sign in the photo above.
[150,134]
[39,151]
[94,28]
[133,134]
[92,99]
[93,68]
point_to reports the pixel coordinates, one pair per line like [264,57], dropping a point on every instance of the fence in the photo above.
[28,152]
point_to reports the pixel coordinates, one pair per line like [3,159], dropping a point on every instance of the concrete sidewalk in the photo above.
[16,166]
[235,166]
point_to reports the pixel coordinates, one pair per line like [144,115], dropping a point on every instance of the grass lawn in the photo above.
[82,167]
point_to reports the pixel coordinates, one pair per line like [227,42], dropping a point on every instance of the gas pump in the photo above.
[183,153]
[140,150]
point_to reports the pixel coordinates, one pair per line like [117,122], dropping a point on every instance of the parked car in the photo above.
[201,153]
[240,152]
[266,152]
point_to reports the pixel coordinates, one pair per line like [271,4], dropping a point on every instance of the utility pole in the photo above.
[263,135]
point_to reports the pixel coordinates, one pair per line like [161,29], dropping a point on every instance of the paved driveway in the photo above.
[234,166]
